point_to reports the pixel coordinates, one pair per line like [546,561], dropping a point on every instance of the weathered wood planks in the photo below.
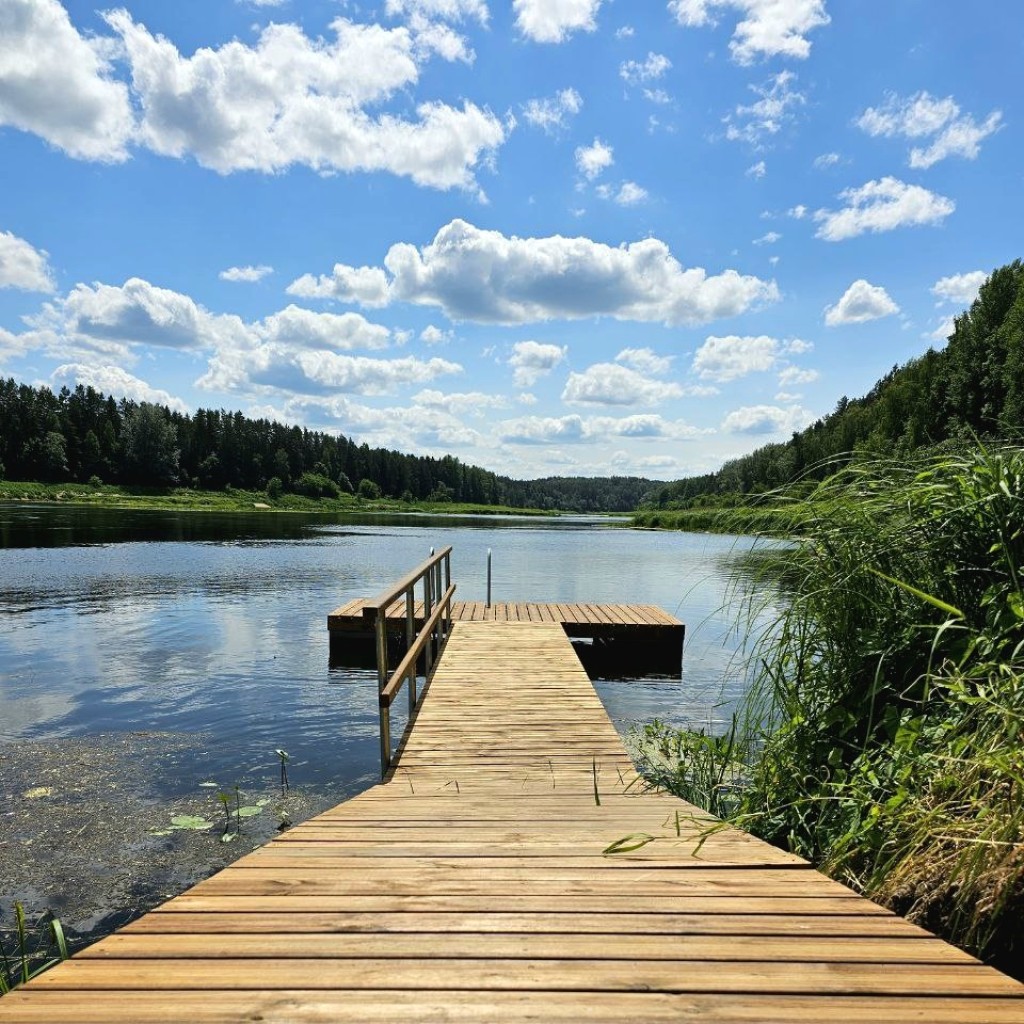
[472,886]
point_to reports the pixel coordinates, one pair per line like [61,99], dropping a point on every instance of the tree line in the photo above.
[82,435]
[973,388]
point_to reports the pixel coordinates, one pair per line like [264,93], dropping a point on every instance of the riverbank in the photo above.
[184,499]
[881,736]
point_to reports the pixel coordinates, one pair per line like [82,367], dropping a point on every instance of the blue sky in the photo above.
[564,237]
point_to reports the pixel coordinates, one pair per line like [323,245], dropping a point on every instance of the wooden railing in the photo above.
[436,573]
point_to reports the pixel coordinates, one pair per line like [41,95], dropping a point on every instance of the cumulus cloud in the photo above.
[860,303]
[948,131]
[636,72]
[645,360]
[573,429]
[882,205]
[769,238]
[440,10]
[766,419]
[614,384]
[593,159]
[630,194]
[552,113]
[368,286]
[793,376]
[961,289]
[23,266]
[769,114]
[757,171]
[541,429]
[769,28]
[294,100]
[59,84]
[531,360]
[826,160]
[431,335]
[727,358]
[488,277]
[464,403]
[247,274]
[554,21]
[113,380]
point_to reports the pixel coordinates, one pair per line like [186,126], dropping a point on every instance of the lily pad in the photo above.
[190,821]
[249,812]
[37,791]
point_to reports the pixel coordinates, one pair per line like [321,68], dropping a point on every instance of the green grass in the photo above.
[186,499]
[882,737]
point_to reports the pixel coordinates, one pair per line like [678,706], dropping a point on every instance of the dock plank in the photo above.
[472,885]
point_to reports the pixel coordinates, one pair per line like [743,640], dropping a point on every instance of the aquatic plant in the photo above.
[881,738]
[25,962]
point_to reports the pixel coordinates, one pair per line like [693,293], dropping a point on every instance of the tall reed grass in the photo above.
[882,735]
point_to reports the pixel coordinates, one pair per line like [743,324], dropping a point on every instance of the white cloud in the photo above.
[542,429]
[550,114]
[797,347]
[797,212]
[769,28]
[766,419]
[487,277]
[757,171]
[882,205]
[441,10]
[573,429]
[944,330]
[656,96]
[960,288]
[58,84]
[727,358]
[366,285]
[767,116]
[247,274]
[294,100]
[302,328]
[826,160]
[465,403]
[625,32]
[431,335]
[793,376]
[531,360]
[23,266]
[860,303]
[635,72]
[922,116]
[114,381]
[645,360]
[769,238]
[592,160]
[630,194]
[554,21]
[613,384]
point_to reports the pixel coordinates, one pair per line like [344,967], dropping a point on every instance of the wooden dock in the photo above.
[472,886]
[641,638]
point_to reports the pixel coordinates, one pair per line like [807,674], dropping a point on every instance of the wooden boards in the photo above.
[474,885]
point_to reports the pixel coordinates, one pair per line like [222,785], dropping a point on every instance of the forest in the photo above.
[973,388]
[82,436]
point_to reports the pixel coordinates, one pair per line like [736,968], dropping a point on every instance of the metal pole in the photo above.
[488,577]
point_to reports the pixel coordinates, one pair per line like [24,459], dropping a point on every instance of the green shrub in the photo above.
[316,485]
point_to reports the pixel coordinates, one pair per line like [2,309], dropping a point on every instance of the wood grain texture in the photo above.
[473,885]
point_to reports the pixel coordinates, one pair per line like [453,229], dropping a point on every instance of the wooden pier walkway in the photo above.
[471,886]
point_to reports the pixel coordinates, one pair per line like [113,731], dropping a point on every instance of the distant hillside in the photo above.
[82,434]
[972,387]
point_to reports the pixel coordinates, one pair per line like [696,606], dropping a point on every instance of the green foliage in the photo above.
[28,960]
[274,488]
[974,387]
[368,489]
[882,735]
[315,485]
[152,446]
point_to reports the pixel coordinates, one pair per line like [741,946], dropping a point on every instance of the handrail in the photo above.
[405,666]
[436,574]
[386,598]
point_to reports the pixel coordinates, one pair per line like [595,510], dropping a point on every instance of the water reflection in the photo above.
[215,625]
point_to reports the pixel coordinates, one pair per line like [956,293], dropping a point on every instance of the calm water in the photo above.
[215,625]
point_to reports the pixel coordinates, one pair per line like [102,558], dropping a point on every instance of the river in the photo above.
[209,631]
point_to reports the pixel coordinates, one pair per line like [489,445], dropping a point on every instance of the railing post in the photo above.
[428,607]
[381,627]
[488,577]
[385,739]
[410,639]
